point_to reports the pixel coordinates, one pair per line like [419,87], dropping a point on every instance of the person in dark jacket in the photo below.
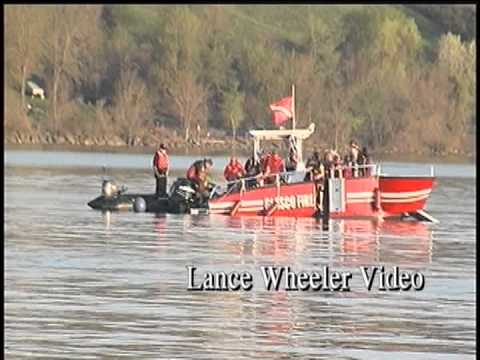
[252,170]
[364,161]
[316,173]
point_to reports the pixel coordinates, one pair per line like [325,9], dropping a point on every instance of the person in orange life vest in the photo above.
[160,169]
[198,174]
[274,165]
[194,170]
[234,170]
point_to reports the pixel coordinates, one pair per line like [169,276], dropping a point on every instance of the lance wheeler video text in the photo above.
[276,278]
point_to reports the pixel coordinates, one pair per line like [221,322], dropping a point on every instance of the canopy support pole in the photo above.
[293,106]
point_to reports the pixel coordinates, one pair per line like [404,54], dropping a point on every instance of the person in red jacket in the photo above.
[198,174]
[274,165]
[193,172]
[234,170]
[160,169]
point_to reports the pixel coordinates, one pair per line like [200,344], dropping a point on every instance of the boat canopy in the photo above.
[283,133]
[294,136]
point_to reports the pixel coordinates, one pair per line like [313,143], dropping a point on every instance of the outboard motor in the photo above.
[182,196]
[110,189]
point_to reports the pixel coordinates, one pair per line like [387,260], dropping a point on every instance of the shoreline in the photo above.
[241,150]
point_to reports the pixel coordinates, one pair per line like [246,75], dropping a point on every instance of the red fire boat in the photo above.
[370,195]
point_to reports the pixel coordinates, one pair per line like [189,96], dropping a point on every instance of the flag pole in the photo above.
[293,106]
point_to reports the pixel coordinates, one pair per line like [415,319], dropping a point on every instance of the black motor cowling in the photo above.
[110,189]
[182,196]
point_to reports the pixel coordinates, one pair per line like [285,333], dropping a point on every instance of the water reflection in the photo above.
[107,217]
[84,285]
[406,243]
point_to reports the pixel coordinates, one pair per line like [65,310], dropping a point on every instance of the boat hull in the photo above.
[126,202]
[404,194]
[370,197]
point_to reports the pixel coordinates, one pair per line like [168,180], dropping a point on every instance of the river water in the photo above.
[80,284]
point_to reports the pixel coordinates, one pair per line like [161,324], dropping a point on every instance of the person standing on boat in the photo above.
[328,163]
[347,166]
[337,165]
[160,169]
[292,160]
[252,170]
[274,165]
[354,155]
[364,161]
[316,173]
[234,170]
[314,166]
[264,158]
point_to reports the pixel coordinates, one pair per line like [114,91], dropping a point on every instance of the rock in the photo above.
[49,138]
[70,139]
[103,140]
[115,141]
[10,139]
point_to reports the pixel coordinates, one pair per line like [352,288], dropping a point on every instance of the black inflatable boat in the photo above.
[181,199]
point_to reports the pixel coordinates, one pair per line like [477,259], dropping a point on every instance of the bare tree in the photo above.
[67,43]
[22,34]
[132,105]
[189,100]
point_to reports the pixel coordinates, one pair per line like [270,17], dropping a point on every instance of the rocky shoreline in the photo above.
[115,143]
[176,145]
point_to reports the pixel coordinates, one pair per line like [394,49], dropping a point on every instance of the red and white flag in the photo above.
[282,111]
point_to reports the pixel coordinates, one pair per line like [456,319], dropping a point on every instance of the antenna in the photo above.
[293,106]
[104,171]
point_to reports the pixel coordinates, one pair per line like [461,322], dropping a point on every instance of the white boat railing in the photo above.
[287,176]
[426,171]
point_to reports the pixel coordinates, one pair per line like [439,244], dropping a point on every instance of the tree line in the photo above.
[392,77]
